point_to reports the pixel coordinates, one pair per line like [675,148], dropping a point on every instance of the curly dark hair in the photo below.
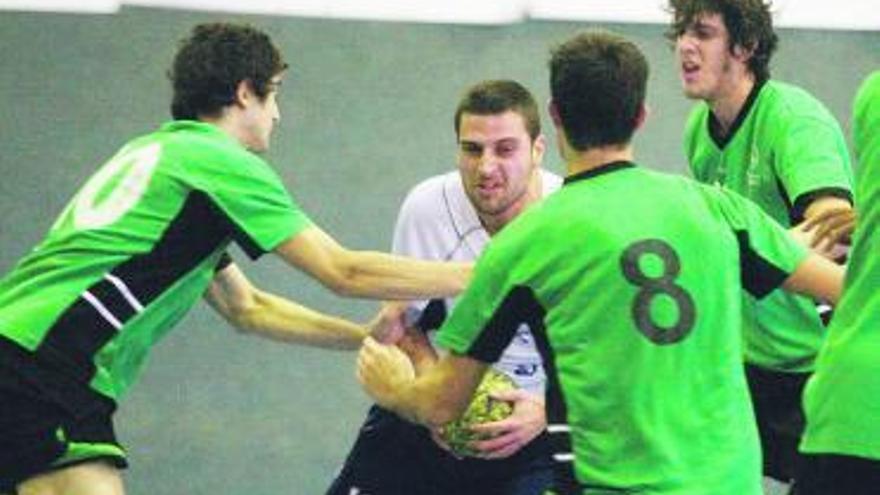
[748,22]
[598,82]
[498,96]
[213,60]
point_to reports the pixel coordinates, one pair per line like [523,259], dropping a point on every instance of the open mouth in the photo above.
[689,71]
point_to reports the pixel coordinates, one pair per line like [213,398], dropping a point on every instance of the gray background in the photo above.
[366,113]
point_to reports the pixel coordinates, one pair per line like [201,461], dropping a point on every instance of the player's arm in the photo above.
[818,277]
[368,273]
[253,310]
[434,398]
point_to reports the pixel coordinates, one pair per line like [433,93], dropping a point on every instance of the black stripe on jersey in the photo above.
[433,315]
[564,480]
[606,168]
[518,306]
[715,130]
[197,230]
[115,302]
[74,338]
[759,276]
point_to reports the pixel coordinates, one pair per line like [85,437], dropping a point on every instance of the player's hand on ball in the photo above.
[460,435]
[507,436]
[382,370]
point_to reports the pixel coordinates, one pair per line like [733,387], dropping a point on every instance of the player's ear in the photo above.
[554,114]
[244,93]
[539,146]
[743,52]
[642,115]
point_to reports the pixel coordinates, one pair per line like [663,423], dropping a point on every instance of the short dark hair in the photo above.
[213,60]
[749,24]
[598,81]
[498,96]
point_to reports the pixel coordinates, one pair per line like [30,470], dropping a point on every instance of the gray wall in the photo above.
[366,113]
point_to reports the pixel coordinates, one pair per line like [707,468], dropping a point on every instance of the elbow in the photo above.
[244,315]
[344,280]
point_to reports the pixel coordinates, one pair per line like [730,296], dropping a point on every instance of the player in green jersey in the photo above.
[780,147]
[841,443]
[141,241]
[631,282]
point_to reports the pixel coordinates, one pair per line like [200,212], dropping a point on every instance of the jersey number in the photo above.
[131,169]
[651,287]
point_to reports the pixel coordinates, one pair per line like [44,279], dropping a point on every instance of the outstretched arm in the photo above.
[371,274]
[817,277]
[253,310]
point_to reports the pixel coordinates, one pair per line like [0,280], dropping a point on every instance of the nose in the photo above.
[684,43]
[488,163]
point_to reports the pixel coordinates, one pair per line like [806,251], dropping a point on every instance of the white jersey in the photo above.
[438,222]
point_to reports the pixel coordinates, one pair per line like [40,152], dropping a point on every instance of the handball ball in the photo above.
[482,409]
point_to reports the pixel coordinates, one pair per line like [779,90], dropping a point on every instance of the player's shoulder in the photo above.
[784,99]
[433,186]
[200,139]
[433,195]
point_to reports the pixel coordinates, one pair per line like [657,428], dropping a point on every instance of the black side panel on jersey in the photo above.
[70,345]
[518,306]
[564,480]
[759,276]
[433,315]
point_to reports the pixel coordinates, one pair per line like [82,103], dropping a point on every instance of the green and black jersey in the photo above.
[631,280]
[842,399]
[785,149]
[134,250]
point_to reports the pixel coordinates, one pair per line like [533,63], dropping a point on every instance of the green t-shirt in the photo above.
[632,280]
[842,399]
[134,250]
[784,150]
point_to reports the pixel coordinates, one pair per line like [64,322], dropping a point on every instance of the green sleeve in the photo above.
[252,196]
[811,155]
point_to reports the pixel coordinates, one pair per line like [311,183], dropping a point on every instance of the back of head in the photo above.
[749,24]
[598,81]
[495,97]
[213,60]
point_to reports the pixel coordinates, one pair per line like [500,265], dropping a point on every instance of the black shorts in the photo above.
[776,398]
[394,457]
[831,474]
[38,436]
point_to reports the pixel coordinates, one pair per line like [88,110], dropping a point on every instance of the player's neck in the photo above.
[727,107]
[581,161]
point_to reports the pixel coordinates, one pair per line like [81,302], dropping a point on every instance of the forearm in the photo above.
[817,277]
[371,274]
[427,401]
[375,274]
[284,320]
